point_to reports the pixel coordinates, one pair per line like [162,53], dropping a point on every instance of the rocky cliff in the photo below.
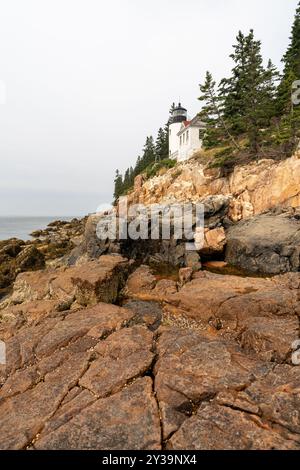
[252,189]
[252,217]
[105,352]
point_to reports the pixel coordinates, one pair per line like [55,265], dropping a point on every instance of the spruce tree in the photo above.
[291,72]
[118,182]
[138,166]
[126,182]
[248,93]
[173,106]
[148,153]
[152,152]
[131,176]
[211,114]
[161,145]
[231,89]
[271,87]
[166,131]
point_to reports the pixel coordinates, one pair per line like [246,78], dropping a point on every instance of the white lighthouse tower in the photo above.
[185,137]
[179,115]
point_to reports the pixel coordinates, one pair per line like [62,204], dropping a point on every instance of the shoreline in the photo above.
[21,227]
[46,245]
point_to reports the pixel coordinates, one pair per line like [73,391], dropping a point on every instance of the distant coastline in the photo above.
[21,226]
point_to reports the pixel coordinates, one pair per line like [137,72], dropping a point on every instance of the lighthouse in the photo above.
[185,137]
[179,115]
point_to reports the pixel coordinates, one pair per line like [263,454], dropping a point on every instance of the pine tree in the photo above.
[291,58]
[231,89]
[166,131]
[258,95]
[248,93]
[161,145]
[211,114]
[131,176]
[118,181]
[271,87]
[173,106]
[138,166]
[126,182]
[291,72]
[148,153]
[152,152]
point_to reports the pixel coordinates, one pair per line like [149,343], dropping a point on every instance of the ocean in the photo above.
[21,227]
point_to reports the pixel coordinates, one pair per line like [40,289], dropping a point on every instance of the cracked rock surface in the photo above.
[202,365]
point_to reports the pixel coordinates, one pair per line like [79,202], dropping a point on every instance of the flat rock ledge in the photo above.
[202,363]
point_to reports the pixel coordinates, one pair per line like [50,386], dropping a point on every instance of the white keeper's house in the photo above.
[185,137]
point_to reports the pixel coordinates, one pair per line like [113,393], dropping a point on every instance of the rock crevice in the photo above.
[181,364]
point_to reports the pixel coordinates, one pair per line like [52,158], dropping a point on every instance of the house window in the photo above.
[169,131]
[187,136]
[180,140]
[200,134]
[183,137]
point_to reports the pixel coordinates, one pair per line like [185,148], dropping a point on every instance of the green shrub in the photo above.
[222,158]
[153,169]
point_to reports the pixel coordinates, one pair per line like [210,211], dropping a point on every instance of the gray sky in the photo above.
[87,80]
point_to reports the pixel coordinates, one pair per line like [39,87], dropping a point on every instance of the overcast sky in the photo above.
[87,80]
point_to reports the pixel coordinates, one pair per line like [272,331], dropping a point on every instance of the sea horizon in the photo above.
[20,226]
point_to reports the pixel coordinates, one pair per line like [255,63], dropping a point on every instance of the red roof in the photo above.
[186,123]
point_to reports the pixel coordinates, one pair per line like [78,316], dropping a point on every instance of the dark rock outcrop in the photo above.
[268,243]
[170,250]
[17,257]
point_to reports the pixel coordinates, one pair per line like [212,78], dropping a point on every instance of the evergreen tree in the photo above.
[118,181]
[138,166]
[148,153]
[126,182]
[271,87]
[211,114]
[173,106]
[231,89]
[161,145]
[248,93]
[291,71]
[131,176]
[152,152]
[166,131]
